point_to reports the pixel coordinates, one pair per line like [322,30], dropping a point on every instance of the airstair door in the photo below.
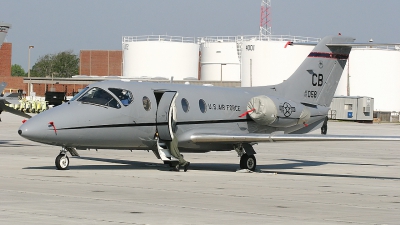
[166,115]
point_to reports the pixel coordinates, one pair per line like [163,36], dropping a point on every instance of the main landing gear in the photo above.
[247,158]
[62,160]
[248,162]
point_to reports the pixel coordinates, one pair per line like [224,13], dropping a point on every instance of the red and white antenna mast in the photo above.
[265,29]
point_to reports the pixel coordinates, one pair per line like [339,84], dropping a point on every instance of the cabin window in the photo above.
[99,96]
[185,105]
[146,103]
[202,105]
[79,93]
[123,95]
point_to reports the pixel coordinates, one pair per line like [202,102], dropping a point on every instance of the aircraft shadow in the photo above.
[300,164]
[118,164]
[7,143]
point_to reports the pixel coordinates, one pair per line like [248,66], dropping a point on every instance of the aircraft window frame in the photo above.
[185,105]
[204,104]
[146,103]
[124,96]
[79,94]
[99,96]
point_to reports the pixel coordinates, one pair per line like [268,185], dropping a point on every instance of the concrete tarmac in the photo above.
[296,183]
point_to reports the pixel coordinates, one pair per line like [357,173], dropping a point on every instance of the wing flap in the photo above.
[274,137]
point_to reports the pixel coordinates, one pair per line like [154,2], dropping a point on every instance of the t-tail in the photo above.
[2,87]
[3,31]
[316,79]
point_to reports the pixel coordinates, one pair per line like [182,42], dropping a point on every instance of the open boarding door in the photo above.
[166,115]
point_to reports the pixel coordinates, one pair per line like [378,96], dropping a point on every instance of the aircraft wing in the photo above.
[279,136]
[3,107]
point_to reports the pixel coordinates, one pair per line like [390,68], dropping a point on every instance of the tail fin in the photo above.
[3,31]
[2,86]
[316,79]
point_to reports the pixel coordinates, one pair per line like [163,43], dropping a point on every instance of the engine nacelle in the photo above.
[277,112]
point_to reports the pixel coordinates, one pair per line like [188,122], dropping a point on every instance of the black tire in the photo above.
[248,162]
[62,162]
[171,163]
[324,129]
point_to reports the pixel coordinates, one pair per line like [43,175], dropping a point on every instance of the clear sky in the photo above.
[53,26]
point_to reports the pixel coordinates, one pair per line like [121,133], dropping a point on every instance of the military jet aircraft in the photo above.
[127,114]
[11,98]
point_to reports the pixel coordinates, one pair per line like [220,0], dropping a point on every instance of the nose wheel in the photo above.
[62,162]
[248,162]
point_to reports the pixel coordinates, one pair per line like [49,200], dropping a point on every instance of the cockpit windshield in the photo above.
[79,94]
[99,96]
[124,96]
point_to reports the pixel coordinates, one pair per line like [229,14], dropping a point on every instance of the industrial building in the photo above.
[353,108]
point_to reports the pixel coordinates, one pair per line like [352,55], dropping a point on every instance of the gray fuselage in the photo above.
[83,125]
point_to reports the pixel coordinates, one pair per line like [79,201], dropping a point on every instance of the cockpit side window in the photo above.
[124,96]
[99,96]
[79,93]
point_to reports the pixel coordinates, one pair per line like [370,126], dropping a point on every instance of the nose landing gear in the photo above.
[62,161]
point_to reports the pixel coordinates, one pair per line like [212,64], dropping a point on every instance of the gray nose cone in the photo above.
[19,132]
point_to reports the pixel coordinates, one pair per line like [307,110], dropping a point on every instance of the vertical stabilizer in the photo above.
[2,86]
[3,31]
[316,79]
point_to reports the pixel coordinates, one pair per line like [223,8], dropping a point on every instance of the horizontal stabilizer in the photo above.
[247,138]
[361,44]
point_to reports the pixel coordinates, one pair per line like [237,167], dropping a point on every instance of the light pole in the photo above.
[29,69]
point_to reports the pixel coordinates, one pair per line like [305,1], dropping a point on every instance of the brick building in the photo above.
[101,62]
[92,63]
[13,83]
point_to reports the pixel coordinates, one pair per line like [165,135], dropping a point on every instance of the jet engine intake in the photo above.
[277,112]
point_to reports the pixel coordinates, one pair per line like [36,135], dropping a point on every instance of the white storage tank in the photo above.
[160,56]
[219,59]
[269,60]
[375,72]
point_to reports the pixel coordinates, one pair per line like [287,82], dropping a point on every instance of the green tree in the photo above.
[66,64]
[43,66]
[62,64]
[17,71]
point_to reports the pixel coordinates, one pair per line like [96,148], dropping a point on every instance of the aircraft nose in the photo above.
[25,130]
[34,129]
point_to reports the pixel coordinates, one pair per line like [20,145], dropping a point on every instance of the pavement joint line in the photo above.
[177,191]
[146,203]
[66,216]
[309,202]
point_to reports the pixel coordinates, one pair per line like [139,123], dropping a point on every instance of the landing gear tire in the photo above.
[62,162]
[248,162]
[171,163]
